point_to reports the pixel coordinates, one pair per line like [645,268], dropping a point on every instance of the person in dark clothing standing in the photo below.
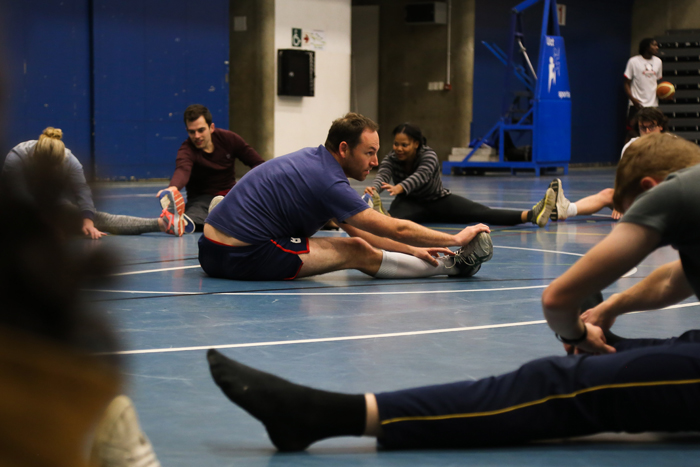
[205,163]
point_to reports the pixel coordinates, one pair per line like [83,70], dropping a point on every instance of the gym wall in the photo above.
[45,67]
[151,60]
[597,35]
[304,121]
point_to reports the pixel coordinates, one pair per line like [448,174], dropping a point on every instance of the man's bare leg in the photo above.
[583,207]
[372,425]
[334,254]
[594,203]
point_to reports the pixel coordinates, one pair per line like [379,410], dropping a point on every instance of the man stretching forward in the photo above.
[261,230]
[205,165]
[631,385]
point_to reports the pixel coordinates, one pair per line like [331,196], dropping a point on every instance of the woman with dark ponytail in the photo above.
[420,197]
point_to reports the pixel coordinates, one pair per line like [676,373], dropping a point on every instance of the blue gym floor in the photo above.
[347,332]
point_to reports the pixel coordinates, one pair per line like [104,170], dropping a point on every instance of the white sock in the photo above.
[572,211]
[400,266]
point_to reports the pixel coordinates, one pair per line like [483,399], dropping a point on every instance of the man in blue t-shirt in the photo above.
[261,229]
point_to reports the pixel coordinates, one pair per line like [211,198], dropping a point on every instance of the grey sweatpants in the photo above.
[125,225]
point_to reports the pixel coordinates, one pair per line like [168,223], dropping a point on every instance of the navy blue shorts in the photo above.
[275,260]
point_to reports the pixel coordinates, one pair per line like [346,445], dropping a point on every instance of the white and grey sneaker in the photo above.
[468,259]
[119,441]
[215,201]
[561,206]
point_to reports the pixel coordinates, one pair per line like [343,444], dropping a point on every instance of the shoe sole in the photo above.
[104,429]
[377,201]
[108,448]
[550,199]
[466,275]
[175,198]
[174,203]
[556,186]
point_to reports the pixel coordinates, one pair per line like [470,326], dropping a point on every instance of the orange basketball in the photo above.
[665,90]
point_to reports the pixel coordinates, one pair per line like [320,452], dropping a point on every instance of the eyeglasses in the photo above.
[647,128]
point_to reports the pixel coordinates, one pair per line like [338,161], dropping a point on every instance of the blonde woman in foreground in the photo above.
[27,164]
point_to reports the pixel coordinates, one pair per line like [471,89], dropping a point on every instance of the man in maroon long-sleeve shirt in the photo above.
[205,162]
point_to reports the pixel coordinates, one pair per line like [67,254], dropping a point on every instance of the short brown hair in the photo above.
[655,155]
[651,115]
[195,111]
[349,129]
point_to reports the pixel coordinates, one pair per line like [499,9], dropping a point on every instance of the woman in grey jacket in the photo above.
[26,160]
[420,196]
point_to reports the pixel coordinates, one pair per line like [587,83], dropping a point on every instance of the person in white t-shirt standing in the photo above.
[641,76]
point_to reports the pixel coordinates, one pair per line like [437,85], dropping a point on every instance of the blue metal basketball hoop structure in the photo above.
[547,112]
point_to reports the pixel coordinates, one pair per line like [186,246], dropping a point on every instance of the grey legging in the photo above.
[125,225]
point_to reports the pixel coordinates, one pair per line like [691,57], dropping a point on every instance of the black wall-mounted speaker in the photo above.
[426,13]
[295,72]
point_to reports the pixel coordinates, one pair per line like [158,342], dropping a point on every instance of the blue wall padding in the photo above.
[47,63]
[152,60]
[597,36]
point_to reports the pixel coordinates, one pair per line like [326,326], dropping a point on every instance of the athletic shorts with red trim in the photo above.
[275,260]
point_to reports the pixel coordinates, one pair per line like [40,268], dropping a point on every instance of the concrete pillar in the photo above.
[411,56]
[252,74]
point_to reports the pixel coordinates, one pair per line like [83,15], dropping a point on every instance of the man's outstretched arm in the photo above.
[626,246]
[426,254]
[665,286]
[409,232]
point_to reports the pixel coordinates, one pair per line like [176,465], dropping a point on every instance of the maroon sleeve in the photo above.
[242,150]
[183,166]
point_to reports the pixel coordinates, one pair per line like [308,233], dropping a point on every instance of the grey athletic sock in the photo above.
[125,225]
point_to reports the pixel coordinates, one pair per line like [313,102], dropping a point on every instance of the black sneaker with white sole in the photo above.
[543,209]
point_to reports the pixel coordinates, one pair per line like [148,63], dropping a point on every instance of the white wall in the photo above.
[304,121]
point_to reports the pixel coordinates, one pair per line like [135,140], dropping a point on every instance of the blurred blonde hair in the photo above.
[50,149]
[655,155]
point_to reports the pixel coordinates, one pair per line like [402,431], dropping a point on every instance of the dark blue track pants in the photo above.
[648,385]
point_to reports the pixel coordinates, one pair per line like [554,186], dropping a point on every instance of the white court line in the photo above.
[133,195]
[155,270]
[627,274]
[535,249]
[632,271]
[324,339]
[266,294]
[353,338]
